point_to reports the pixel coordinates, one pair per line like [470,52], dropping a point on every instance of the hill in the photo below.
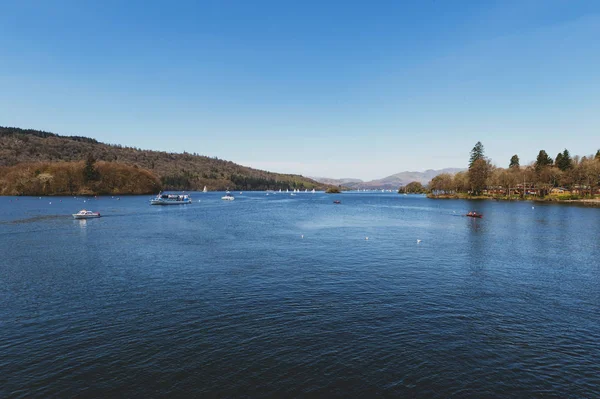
[174,171]
[70,178]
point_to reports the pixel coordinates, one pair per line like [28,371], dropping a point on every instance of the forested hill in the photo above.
[175,171]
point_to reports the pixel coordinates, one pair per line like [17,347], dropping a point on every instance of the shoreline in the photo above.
[593,202]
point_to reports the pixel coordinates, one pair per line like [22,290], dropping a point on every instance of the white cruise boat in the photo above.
[171,199]
[228,197]
[83,214]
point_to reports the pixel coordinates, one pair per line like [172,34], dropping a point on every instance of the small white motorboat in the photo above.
[228,197]
[83,214]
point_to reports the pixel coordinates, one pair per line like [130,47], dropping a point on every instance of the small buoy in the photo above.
[366,238]
[418,241]
[302,236]
[40,197]
[198,200]
[533,207]
[50,203]
[83,200]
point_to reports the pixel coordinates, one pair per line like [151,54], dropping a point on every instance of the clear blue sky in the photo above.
[329,88]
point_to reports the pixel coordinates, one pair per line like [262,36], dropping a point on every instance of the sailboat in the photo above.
[205,190]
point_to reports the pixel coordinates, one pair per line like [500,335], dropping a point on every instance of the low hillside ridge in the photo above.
[175,171]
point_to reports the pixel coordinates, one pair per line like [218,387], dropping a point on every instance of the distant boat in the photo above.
[228,197]
[205,190]
[279,190]
[171,199]
[313,191]
[474,215]
[83,214]
[337,202]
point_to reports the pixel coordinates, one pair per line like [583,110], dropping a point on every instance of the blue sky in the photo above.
[321,88]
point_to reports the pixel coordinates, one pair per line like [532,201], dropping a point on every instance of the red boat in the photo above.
[337,202]
[474,215]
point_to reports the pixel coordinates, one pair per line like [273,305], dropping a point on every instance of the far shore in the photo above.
[547,199]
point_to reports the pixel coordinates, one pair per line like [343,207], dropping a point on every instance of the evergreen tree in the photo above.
[564,161]
[598,154]
[542,160]
[476,153]
[558,161]
[89,171]
[514,162]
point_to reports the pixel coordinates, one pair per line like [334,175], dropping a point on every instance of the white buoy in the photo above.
[418,241]
[302,236]
[50,203]
[366,238]
[533,207]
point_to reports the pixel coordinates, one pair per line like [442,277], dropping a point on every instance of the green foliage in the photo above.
[542,160]
[477,153]
[567,197]
[598,154]
[90,173]
[333,190]
[563,160]
[514,162]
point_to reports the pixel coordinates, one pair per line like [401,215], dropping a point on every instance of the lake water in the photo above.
[284,296]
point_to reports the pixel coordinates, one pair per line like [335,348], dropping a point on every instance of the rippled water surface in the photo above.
[284,296]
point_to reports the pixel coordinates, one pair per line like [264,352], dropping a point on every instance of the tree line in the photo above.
[564,175]
[76,178]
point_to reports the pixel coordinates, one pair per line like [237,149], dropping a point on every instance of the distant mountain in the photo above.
[392,182]
[403,178]
[346,182]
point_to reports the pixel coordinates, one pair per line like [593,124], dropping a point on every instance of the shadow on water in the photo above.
[34,219]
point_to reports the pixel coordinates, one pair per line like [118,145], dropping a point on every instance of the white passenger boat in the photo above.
[83,214]
[228,197]
[171,199]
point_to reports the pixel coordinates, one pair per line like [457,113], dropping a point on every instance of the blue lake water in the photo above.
[284,296]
